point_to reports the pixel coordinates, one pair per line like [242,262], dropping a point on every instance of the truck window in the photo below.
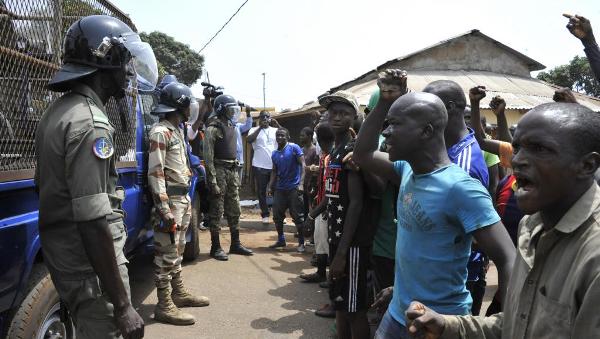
[148,101]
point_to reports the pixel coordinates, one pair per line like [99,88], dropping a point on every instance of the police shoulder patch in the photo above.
[103,148]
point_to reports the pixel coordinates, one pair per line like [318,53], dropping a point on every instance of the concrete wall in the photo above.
[468,52]
[512,116]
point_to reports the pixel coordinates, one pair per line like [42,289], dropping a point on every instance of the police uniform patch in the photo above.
[103,148]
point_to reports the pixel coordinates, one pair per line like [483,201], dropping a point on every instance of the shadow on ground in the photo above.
[299,321]
[294,292]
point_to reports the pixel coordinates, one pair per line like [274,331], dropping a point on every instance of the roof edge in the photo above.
[533,64]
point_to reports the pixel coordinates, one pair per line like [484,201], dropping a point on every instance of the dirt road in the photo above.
[251,297]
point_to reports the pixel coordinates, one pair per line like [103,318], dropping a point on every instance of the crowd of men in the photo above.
[411,191]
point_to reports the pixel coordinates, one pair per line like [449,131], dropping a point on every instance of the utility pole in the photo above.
[264,93]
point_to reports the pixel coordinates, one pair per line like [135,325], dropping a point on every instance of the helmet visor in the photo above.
[194,111]
[144,61]
[233,113]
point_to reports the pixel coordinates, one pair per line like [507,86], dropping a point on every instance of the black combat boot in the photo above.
[237,247]
[215,248]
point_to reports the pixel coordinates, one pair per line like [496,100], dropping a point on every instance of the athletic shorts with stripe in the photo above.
[350,293]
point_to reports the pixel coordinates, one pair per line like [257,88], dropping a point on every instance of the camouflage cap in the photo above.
[339,96]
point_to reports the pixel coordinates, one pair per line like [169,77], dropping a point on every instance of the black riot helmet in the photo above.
[173,97]
[101,42]
[226,105]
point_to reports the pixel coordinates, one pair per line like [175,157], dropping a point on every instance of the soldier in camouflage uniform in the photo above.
[80,213]
[169,177]
[220,152]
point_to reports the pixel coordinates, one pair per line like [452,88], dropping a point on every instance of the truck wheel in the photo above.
[39,314]
[192,247]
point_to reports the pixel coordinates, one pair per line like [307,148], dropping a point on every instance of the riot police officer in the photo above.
[169,177]
[80,212]
[220,151]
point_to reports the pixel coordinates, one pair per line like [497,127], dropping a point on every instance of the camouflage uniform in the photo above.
[222,173]
[77,182]
[220,158]
[169,177]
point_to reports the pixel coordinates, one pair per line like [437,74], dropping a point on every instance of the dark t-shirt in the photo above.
[336,190]
[310,178]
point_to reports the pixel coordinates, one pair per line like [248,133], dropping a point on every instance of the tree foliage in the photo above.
[576,75]
[175,57]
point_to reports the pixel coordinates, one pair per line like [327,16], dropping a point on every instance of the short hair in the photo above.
[307,130]
[581,123]
[287,132]
[324,132]
[448,90]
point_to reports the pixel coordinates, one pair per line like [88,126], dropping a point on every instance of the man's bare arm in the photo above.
[392,84]
[356,194]
[498,105]
[475,96]
[300,160]
[494,241]
[252,136]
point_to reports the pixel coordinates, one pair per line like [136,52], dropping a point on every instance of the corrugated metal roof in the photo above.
[519,93]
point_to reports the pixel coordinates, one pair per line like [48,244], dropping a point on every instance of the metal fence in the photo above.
[31,36]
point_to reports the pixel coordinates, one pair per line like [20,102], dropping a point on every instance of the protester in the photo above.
[581,28]
[349,242]
[319,216]
[240,129]
[287,186]
[263,143]
[463,148]
[434,199]
[464,151]
[384,242]
[194,130]
[491,160]
[223,178]
[311,158]
[554,288]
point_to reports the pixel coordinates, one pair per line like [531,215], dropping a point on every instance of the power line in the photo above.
[219,31]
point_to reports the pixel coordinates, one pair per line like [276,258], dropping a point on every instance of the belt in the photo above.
[227,163]
[177,190]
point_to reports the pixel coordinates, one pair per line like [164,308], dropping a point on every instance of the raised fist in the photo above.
[564,95]
[497,104]
[392,84]
[477,93]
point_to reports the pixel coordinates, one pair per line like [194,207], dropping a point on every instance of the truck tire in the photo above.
[192,247]
[38,317]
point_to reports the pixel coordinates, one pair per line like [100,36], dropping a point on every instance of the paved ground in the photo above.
[251,297]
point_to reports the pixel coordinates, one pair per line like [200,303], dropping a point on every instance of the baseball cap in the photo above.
[339,96]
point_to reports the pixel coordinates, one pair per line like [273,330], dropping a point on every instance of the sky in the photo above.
[306,47]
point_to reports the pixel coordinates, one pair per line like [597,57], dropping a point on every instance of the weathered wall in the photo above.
[468,52]
[512,116]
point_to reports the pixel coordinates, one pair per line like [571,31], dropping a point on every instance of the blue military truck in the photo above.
[31,34]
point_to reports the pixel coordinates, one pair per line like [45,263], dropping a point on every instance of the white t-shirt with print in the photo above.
[263,146]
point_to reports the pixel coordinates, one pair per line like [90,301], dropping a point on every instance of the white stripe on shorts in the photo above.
[353,278]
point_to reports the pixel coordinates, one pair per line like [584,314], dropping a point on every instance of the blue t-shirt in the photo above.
[468,155]
[289,171]
[437,212]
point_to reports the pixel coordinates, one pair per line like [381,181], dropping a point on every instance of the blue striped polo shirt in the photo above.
[468,156]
